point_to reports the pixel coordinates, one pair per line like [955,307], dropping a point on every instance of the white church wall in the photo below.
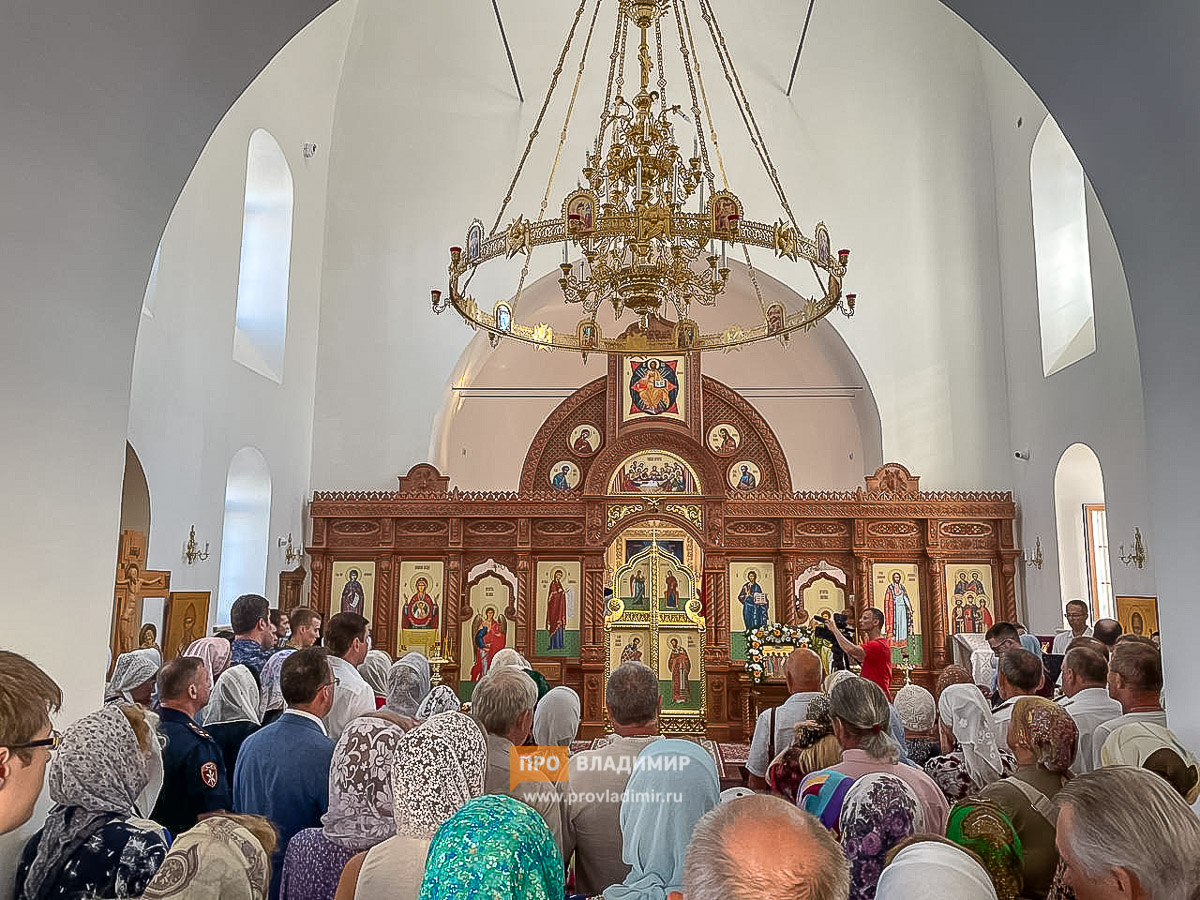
[193,407]
[890,144]
[1096,401]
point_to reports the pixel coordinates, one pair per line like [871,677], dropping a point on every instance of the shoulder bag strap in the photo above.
[1039,801]
[771,751]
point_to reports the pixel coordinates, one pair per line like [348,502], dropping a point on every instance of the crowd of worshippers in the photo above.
[270,766]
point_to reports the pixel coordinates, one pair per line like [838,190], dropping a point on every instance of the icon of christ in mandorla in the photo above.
[421,610]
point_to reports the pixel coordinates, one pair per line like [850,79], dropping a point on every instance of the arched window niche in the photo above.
[1060,243]
[1084,569]
[264,269]
[246,532]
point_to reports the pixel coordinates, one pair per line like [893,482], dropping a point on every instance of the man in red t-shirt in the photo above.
[874,652]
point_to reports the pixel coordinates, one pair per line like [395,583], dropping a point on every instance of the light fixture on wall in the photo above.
[640,217]
[291,553]
[1035,559]
[310,150]
[1137,554]
[192,552]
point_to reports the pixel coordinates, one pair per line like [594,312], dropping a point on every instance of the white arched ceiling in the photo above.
[1077,480]
[812,392]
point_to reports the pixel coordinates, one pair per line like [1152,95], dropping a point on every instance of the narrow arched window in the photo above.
[1060,243]
[1083,562]
[262,296]
[246,532]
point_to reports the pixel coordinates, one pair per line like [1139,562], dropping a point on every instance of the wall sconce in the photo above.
[192,552]
[291,554]
[1137,554]
[1036,559]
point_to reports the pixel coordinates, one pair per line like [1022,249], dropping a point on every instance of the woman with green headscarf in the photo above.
[1042,737]
[493,847]
[986,830]
[673,784]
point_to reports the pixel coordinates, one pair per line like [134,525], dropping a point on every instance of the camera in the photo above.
[1021,454]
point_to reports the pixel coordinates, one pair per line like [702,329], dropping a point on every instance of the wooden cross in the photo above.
[134,583]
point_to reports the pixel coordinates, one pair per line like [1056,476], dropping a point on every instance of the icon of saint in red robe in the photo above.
[556,612]
[488,640]
[681,668]
[421,610]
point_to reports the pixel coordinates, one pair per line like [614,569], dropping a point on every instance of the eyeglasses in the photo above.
[52,743]
[1006,644]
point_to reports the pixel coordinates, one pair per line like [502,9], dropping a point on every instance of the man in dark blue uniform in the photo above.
[195,783]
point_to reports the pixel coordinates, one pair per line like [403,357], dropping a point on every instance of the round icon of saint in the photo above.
[584,439]
[564,475]
[724,439]
[744,476]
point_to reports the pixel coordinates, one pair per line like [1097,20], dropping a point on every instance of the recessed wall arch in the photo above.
[1083,573]
[246,531]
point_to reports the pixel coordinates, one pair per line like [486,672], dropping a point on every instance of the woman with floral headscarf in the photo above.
[361,810]
[813,748]
[987,831]
[971,757]
[441,699]
[879,811]
[494,847]
[407,685]
[133,677]
[1043,737]
[93,842]
[440,766]
[226,856]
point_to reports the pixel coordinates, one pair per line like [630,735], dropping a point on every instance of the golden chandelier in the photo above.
[646,246]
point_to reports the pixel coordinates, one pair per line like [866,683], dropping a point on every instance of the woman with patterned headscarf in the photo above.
[440,767]
[94,843]
[271,703]
[133,677]
[226,856]
[971,757]
[494,847]
[813,748]
[361,810]
[879,812]
[441,699]
[1043,737]
[987,831]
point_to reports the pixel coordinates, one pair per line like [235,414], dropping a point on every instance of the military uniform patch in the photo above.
[208,774]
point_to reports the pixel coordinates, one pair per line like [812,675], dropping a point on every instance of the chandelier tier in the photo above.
[650,240]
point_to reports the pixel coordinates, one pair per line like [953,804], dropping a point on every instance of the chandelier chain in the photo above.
[662,70]
[687,24]
[687,67]
[541,115]
[618,52]
[562,139]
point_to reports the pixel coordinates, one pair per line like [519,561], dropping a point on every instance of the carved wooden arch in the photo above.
[759,443]
[893,479]
[465,601]
[654,513]
[586,405]
[709,469]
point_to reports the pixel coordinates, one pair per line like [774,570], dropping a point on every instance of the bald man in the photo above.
[774,729]
[762,846]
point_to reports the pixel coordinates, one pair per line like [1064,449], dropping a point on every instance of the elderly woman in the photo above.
[655,833]
[93,842]
[556,718]
[917,711]
[441,699]
[133,677]
[1043,737]
[934,870]
[361,810]
[971,758]
[374,670]
[879,812]
[814,747]
[232,712]
[226,856]
[407,686]
[439,767]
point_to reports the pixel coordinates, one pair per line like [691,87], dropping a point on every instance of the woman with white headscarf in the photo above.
[133,677]
[361,810]
[271,703]
[556,718]
[232,712]
[214,651]
[439,767]
[934,870]
[971,756]
[374,670]
[407,685]
[441,699]
[94,842]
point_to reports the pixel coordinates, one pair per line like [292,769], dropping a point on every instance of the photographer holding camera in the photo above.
[874,652]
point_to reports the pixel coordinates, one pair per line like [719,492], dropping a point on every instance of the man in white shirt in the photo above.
[1085,697]
[1135,680]
[1077,619]
[802,675]
[1020,674]
[598,778]
[346,638]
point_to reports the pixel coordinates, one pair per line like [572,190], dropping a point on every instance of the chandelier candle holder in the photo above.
[651,229]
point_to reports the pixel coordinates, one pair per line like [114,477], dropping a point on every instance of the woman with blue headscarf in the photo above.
[673,784]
